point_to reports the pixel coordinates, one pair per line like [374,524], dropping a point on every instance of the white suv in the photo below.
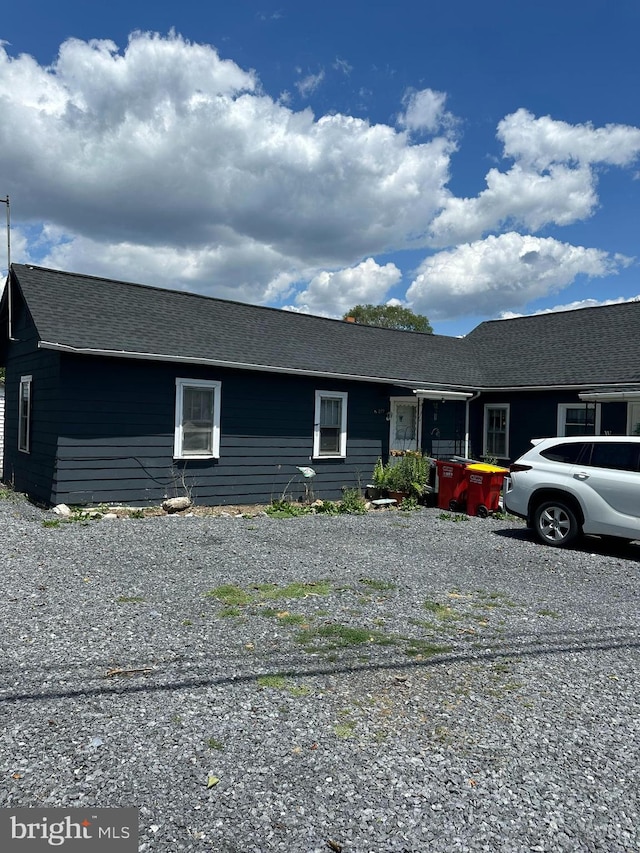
[565,487]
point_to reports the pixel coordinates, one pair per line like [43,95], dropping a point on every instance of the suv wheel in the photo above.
[555,523]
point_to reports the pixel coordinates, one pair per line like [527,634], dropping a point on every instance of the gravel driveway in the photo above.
[392,682]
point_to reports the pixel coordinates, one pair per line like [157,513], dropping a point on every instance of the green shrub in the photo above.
[352,503]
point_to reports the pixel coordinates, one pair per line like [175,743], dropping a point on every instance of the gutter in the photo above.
[440,391]
[610,396]
[236,365]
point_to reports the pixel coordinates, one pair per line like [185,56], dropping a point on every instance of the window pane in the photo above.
[197,421]
[497,432]
[330,413]
[406,417]
[329,440]
[24,415]
[580,420]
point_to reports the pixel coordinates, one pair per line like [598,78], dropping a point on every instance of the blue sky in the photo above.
[469,160]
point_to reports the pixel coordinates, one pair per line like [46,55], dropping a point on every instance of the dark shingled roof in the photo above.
[586,347]
[88,313]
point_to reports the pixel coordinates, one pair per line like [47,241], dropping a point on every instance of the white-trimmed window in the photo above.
[197,432]
[330,425]
[578,419]
[24,415]
[496,430]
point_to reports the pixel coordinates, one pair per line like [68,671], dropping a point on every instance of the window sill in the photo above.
[188,458]
[330,456]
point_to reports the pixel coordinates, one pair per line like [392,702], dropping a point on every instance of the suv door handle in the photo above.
[581,475]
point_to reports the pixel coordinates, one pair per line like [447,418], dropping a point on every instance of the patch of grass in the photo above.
[276,682]
[51,522]
[298,690]
[279,682]
[292,619]
[129,599]
[422,623]
[336,636]
[214,743]
[230,594]
[423,649]
[455,517]
[546,612]
[441,611]
[187,622]
[286,509]
[344,730]
[230,612]
[373,583]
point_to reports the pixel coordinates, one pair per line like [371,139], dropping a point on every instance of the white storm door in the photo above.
[404,424]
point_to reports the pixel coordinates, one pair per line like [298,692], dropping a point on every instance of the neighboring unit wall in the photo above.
[117,435]
[535,415]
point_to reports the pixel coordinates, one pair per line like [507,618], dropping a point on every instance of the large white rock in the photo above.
[176,504]
[62,510]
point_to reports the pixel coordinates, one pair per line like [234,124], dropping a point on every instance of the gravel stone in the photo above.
[456,686]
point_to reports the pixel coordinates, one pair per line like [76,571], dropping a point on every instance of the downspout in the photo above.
[466,423]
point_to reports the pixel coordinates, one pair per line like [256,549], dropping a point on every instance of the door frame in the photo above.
[394,402]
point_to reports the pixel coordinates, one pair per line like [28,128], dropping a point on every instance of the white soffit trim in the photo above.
[610,396]
[424,394]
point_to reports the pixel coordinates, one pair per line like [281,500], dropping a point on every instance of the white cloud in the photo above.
[501,273]
[424,110]
[551,182]
[307,85]
[570,306]
[519,197]
[167,151]
[166,164]
[332,294]
[539,142]
[343,66]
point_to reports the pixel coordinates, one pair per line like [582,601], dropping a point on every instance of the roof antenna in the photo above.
[6,201]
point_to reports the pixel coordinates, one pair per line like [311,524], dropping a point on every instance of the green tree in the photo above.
[390,317]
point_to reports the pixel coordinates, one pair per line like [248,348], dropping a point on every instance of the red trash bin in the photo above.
[452,484]
[484,487]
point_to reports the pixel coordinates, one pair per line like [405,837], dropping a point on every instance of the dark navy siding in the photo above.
[535,415]
[31,472]
[116,435]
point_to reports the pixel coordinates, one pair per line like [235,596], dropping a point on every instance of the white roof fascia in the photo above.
[610,396]
[236,365]
[424,394]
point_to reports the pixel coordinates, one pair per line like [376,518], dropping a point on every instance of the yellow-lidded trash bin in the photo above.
[484,487]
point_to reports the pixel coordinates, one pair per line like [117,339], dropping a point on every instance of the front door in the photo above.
[404,425]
